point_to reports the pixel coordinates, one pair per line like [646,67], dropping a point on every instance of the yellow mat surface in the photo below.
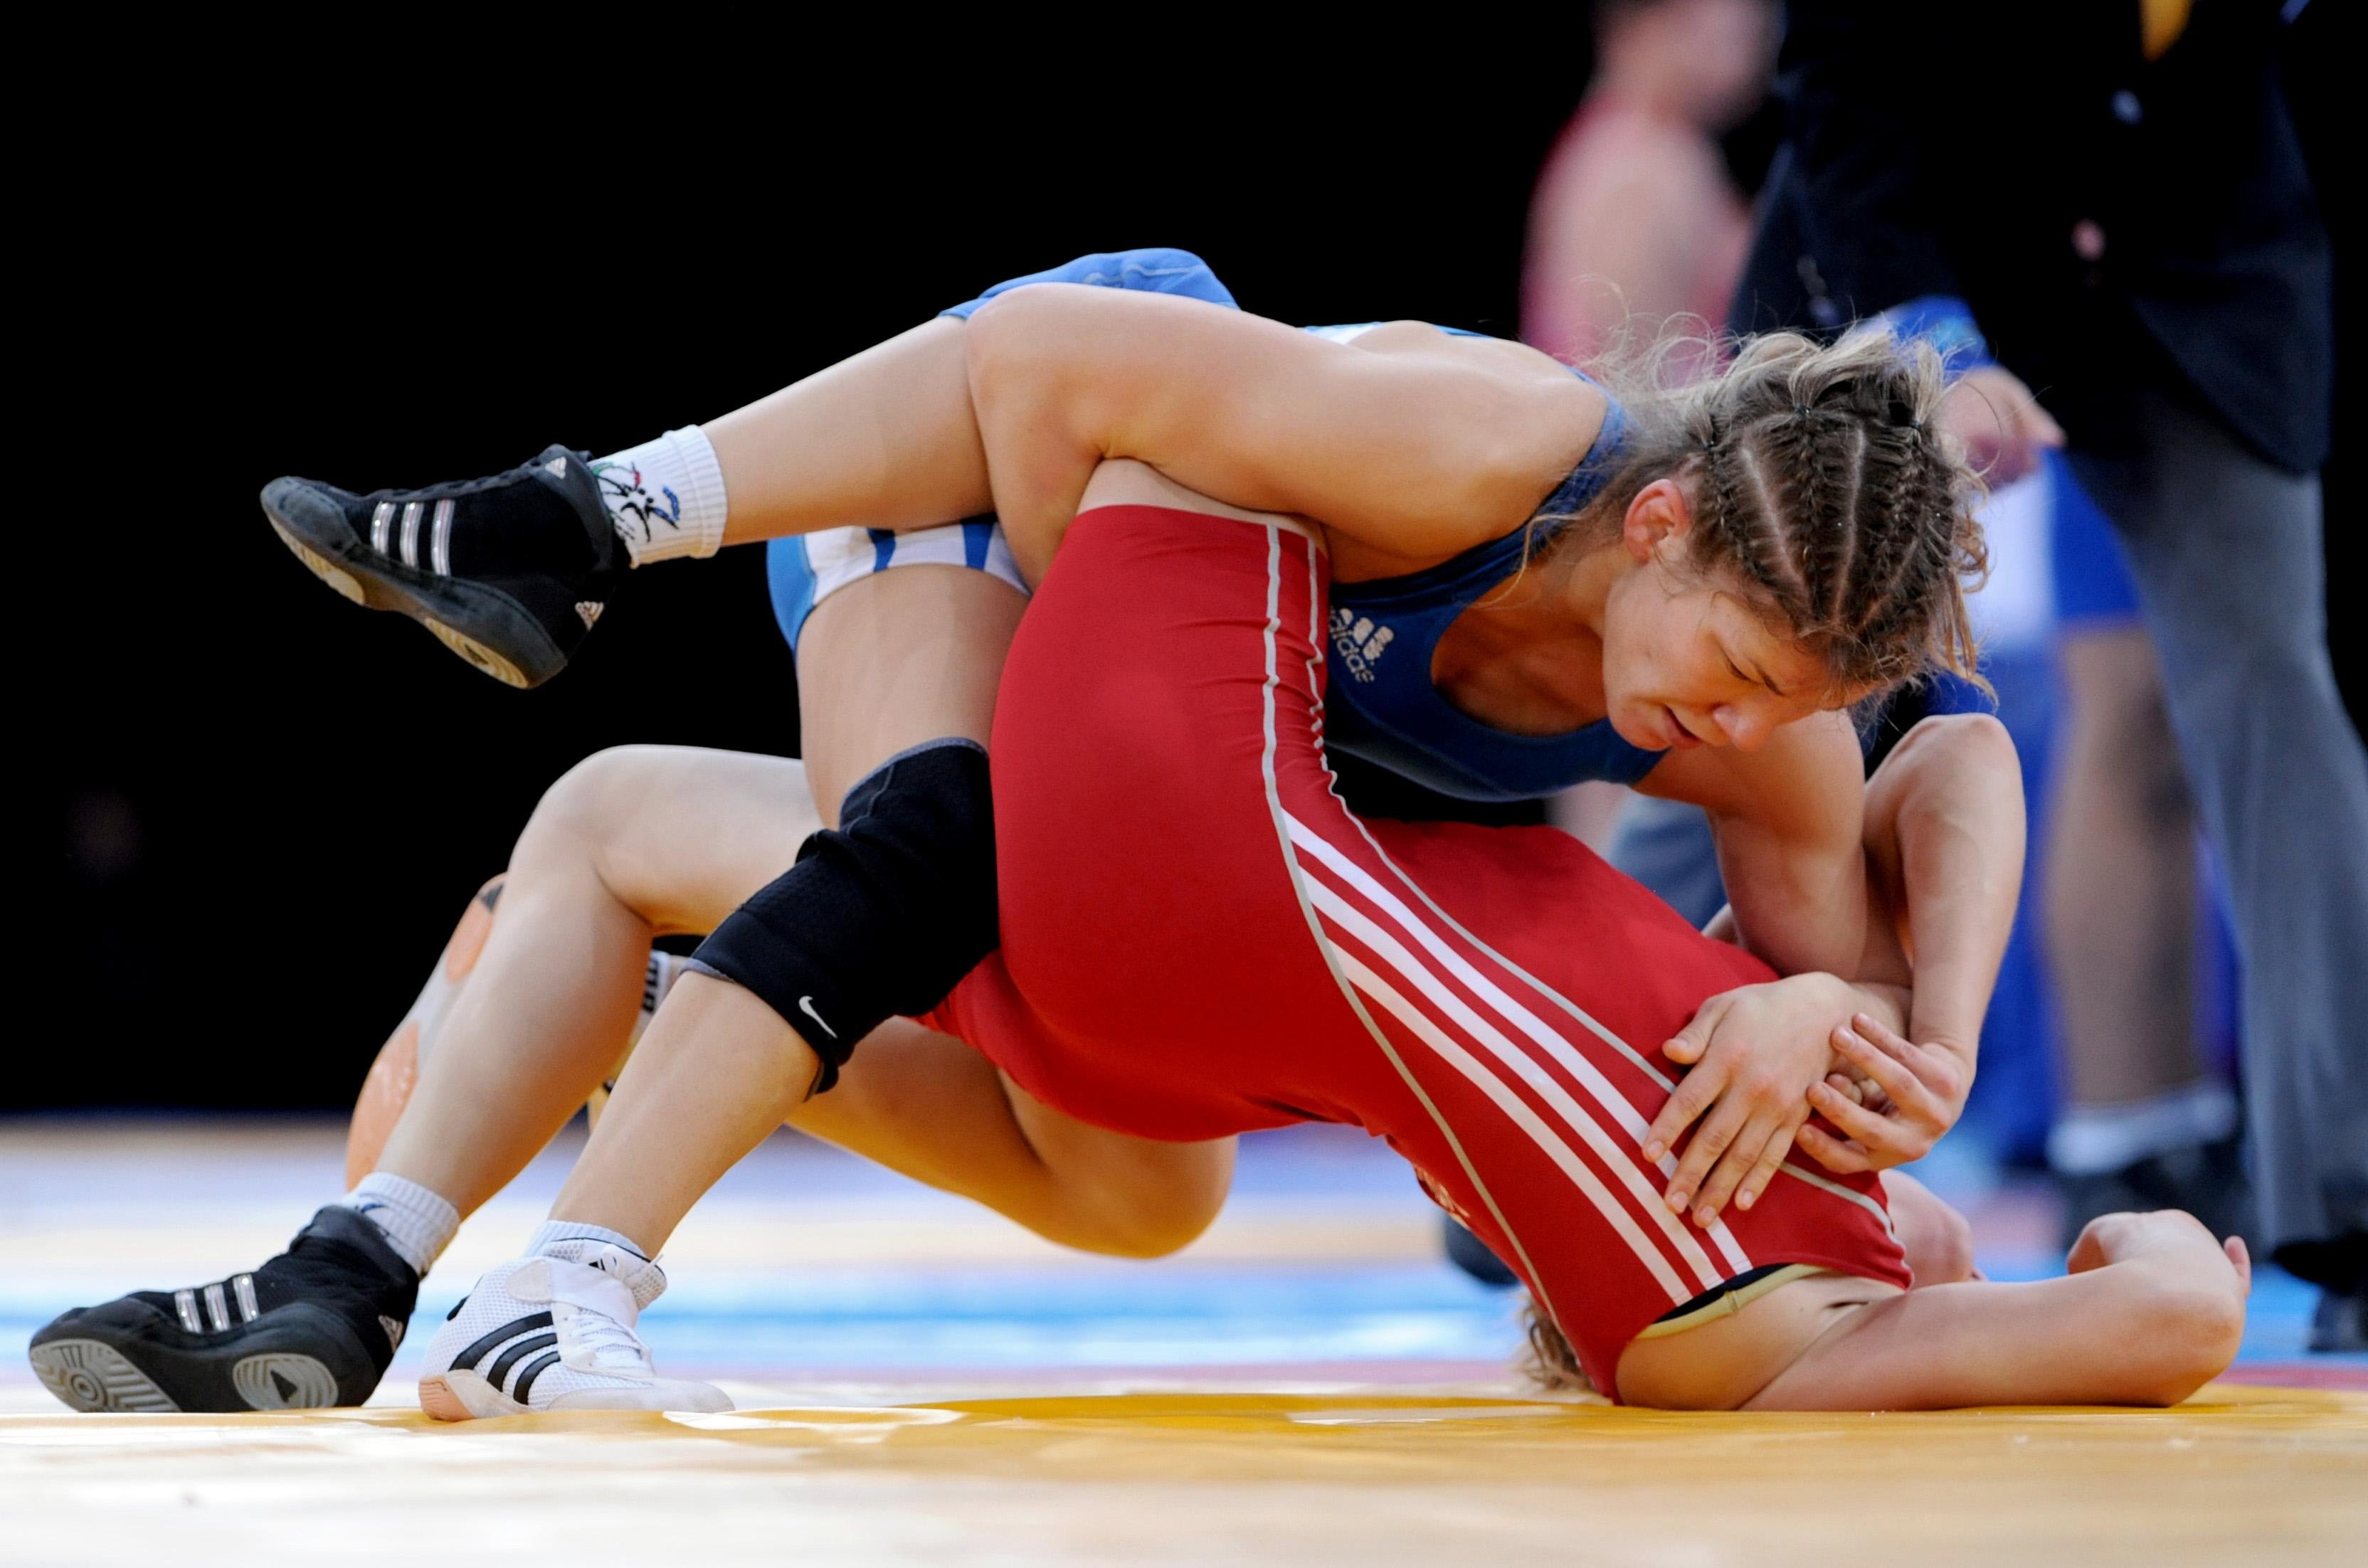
[2238,1475]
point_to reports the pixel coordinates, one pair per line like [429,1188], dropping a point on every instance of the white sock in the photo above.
[2092,1140]
[417,1222]
[552,1239]
[664,497]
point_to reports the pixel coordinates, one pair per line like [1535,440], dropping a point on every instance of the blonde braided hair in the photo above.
[1821,479]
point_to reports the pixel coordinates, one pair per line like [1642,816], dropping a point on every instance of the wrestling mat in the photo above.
[919,1382]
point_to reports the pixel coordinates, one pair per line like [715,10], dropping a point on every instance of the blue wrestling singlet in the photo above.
[1382,705]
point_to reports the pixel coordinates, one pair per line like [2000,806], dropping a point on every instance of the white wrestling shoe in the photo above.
[554,1332]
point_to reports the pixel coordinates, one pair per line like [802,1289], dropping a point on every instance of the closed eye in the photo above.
[1753,677]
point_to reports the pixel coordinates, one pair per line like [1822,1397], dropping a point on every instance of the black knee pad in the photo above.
[881,914]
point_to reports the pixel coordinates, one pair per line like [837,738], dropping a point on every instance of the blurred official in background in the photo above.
[2108,204]
[1637,228]
[1638,235]
[1636,220]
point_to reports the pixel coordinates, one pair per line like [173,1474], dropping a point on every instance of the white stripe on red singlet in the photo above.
[1624,1111]
[1718,1231]
[1315,927]
[1557,1045]
[1549,1143]
[1491,994]
[1827,1184]
[1552,1145]
[1721,1237]
[1372,890]
[1446,1007]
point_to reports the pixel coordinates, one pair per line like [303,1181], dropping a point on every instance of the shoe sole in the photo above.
[376,588]
[460,1396]
[90,1374]
[465,1396]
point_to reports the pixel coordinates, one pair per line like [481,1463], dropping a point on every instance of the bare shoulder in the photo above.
[1541,419]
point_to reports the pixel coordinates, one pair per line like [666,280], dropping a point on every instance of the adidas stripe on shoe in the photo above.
[554,1332]
[314,1326]
[509,572]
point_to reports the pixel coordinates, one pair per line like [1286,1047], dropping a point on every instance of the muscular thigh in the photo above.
[894,659]
[683,834]
[680,835]
[925,1104]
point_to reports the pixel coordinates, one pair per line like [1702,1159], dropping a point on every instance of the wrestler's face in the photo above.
[1693,658]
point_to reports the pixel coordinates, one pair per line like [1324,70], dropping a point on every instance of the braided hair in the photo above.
[1821,478]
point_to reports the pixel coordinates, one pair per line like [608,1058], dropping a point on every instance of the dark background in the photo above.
[256,812]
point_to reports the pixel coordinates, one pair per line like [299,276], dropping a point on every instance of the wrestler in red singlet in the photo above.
[1200,939]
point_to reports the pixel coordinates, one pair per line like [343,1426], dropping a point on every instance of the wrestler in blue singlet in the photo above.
[1382,704]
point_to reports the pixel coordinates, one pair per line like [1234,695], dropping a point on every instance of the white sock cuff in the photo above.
[417,1224]
[552,1232]
[2092,1140]
[679,505]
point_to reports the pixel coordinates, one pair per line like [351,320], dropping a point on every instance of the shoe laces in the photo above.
[605,1342]
[456,489]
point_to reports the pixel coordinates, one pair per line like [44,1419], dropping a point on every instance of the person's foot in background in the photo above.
[2176,1151]
[2340,1322]
[2339,1269]
[1470,1254]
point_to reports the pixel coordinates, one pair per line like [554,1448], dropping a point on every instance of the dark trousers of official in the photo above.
[2226,552]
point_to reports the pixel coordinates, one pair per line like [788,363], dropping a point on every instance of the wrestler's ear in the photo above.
[1657,522]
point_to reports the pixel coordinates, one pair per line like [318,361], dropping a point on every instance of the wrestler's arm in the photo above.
[1944,838]
[1942,862]
[1413,455]
[1789,820]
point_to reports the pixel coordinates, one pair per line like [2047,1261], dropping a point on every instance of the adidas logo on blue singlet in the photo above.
[1358,641]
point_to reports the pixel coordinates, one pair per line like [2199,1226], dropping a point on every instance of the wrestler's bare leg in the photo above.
[1937,1239]
[891,438]
[2152,1308]
[718,1068]
[630,844]
[899,658]
[643,840]
[884,439]
[928,1106]
[895,659]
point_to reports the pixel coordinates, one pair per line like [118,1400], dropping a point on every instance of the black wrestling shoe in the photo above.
[314,1326]
[508,572]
